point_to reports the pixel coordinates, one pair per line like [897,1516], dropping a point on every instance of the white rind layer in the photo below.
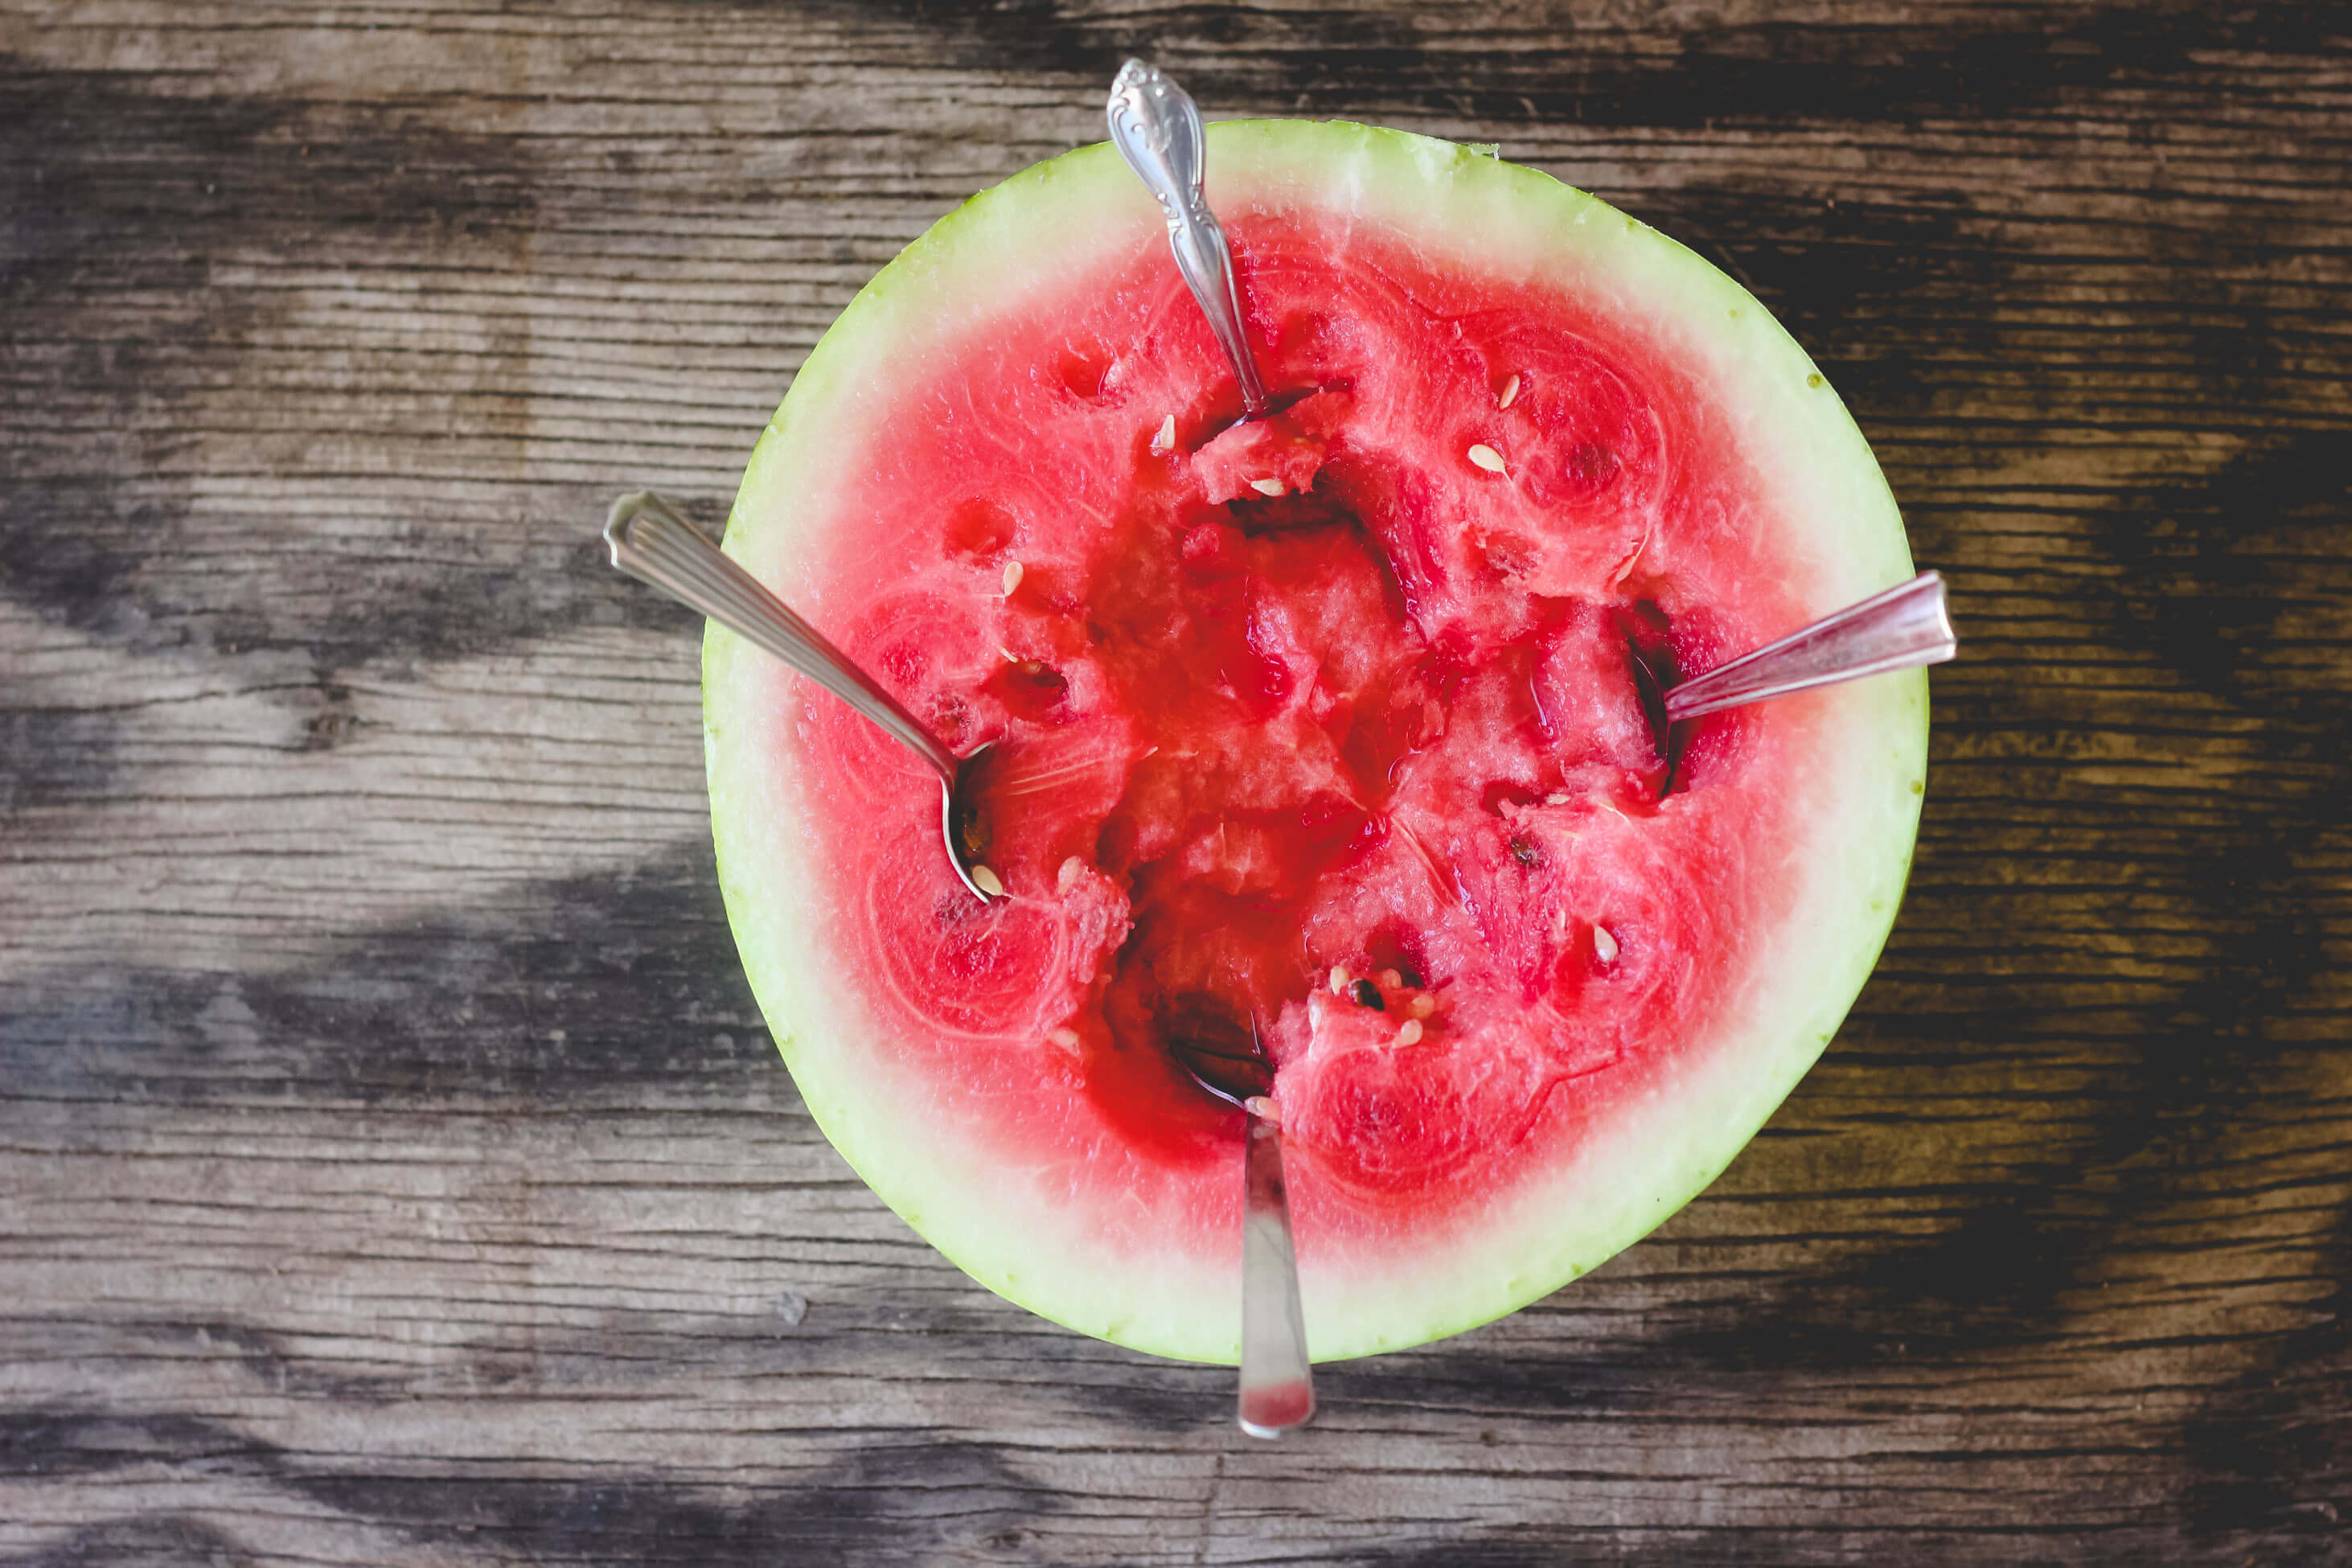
[1033,238]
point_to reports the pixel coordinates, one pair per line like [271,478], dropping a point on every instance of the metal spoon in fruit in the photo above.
[652,543]
[1906,626]
[1156,127]
[1227,1059]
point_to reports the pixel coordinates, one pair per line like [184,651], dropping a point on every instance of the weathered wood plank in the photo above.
[392,1166]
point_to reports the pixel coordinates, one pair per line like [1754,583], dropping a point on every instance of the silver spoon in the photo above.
[1277,1381]
[652,542]
[1156,127]
[1904,626]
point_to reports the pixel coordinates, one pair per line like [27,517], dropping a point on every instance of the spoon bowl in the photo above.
[651,540]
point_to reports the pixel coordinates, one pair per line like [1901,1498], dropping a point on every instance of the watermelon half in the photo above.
[1328,721]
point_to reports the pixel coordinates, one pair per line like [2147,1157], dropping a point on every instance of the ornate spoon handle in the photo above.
[1156,127]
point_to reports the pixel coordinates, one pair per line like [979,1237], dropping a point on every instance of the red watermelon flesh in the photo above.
[1382,722]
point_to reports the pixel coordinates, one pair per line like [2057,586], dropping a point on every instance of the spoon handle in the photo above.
[1905,625]
[1156,127]
[1277,1381]
[652,542]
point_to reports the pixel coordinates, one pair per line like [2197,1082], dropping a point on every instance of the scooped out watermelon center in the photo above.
[1328,718]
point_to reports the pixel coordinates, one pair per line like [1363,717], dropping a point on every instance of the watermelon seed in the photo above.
[1422,1006]
[1267,487]
[1392,979]
[1510,391]
[1487,458]
[1604,944]
[1558,798]
[1339,978]
[1011,577]
[1164,438]
[1368,995]
[1066,1038]
[1410,1034]
[1525,853]
[987,882]
[1067,878]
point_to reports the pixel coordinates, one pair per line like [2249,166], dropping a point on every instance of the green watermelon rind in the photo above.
[1661,1150]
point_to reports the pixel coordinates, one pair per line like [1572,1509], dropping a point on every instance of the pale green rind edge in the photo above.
[1656,1157]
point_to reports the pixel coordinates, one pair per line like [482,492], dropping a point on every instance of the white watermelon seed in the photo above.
[1267,487]
[1510,391]
[1558,799]
[1422,1006]
[1072,870]
[1067,1038]
[1410,1034]
[1487,458]
[1604,944]
[986,881]
[1164,438]
[1391,981]
[1339,979]
[1011,577]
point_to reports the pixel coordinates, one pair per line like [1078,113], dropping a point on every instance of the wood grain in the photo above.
[392,1165]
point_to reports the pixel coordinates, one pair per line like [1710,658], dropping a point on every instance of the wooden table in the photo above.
[393,1164]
